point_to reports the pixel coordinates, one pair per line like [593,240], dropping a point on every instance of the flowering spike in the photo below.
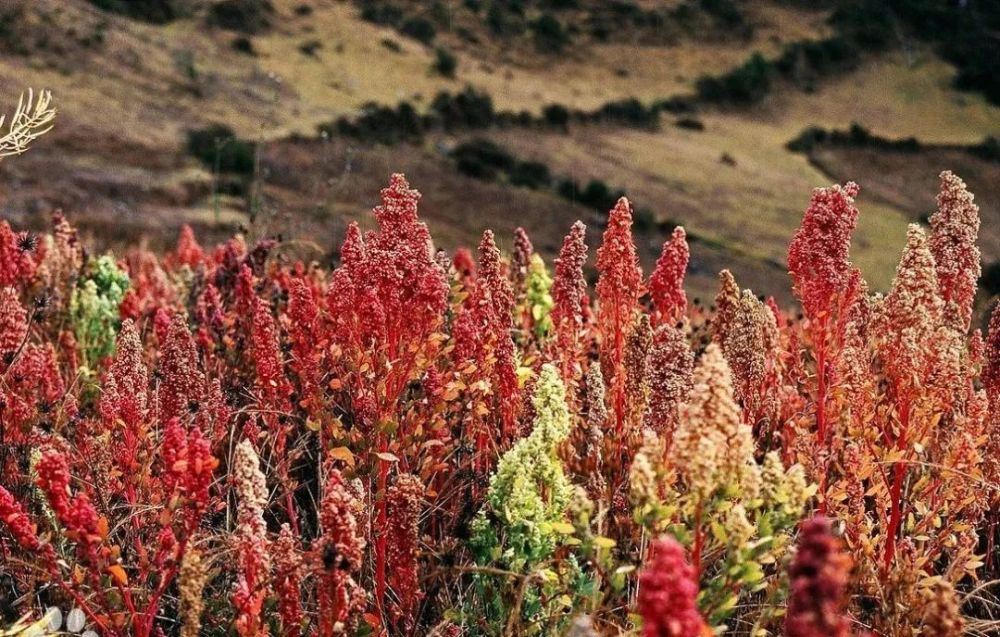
[640,341]
[287,581]
[819,576]
[568,290]
[253,545]
[339,553]
[712,448]
[727,301]
[536,299]
[191,580]
[352,251]
[307,339]
[523,251]
[13,326]
[188,251]
[126,398]
[405,503]
[954,230]
[666,284]
[912,311]
[818,256]
[464,266]
[500,323]
[618,289]
[399,204]
[748,337]
[16,520]
[668,592]
[991,364]
[17,264]
[671,365]
[272,384]
[75,513]
[182,380]
[942,611]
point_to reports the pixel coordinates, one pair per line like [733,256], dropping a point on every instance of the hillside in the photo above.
[130,91]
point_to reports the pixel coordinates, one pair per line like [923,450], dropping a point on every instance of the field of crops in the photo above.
[225,441]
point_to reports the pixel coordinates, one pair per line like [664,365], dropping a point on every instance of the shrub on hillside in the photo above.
[504,23]
[419,28]
[530,174]
[218,148]
[482,159]
[245,16]
[991,278]
[155,11]
[743,85]
[468,109]
[445,62]
[380,12]
[550,35]
[381,124]
[628,112]
[988,149]
[556,115]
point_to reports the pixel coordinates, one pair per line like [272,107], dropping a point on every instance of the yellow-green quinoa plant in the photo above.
[517,533]
[537,297]
[93,308]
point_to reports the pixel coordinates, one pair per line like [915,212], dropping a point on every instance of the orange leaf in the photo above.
[344,455]
[118,575]
[372,620]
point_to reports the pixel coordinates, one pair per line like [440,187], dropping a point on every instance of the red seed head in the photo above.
[668,591]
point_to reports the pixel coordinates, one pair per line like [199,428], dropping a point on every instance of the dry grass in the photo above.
[117,155]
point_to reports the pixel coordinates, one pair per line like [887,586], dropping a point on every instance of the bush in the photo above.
[629,112]
[556,115]
[310,47]
[550,36]
[599,196]
[246,16]
[857,136]
[382,13]
[420,29]
[869,23]
[988,149]
[503,23]
[725,11]
[381,124]
[803,61]
[991,278]
[643,220]
[483,159]
[690,123]
[807,140]
[559,5]
[676,105]
[243,44]
[445,62]
[155,11]
[746,84]
[531,174]
[218,148]
[468,109]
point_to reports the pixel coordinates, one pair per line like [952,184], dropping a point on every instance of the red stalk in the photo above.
[896,494]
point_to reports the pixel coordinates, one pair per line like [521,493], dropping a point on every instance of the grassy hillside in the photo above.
[129,91]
